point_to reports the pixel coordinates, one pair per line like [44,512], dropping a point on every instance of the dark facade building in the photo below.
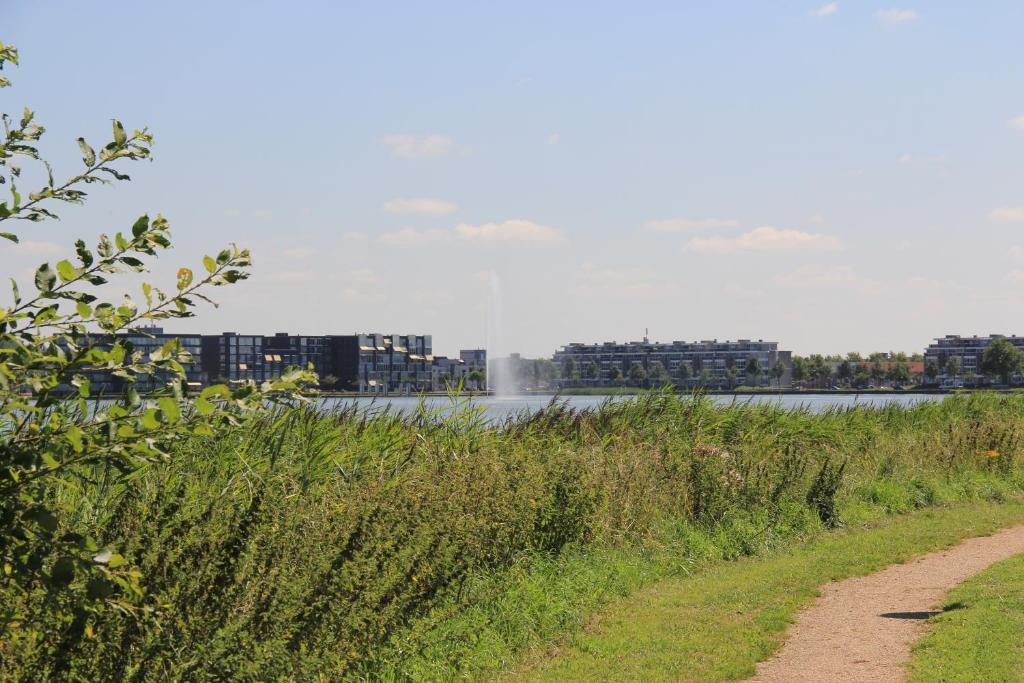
[367,363]
[381,363]
[690,364]
[144,342]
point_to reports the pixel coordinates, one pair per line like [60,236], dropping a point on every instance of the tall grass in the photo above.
[353,543]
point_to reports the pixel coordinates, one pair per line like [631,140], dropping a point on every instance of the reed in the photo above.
[355,543]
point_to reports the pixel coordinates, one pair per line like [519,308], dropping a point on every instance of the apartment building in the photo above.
[699,363]
[968,352]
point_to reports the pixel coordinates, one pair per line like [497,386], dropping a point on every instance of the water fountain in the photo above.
[499,380]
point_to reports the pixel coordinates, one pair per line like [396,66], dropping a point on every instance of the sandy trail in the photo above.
[862,629]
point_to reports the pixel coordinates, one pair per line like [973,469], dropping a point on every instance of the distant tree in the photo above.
[877,372]
[477,377]
[931,371]
[953,366]
[569,370]
[799,372]
[730,375]
[683,372]
[637,374]
[730,362]
[615,374]
[777,372]
[753,370]
[818,369]
[1001,359]
[899,373]
[971,379]
[705,377]
[844,372]
[917,357]
[854,357]
[329,381]
[657,373]
[861,377]
[593,370]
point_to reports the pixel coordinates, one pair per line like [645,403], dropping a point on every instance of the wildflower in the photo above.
[991,454]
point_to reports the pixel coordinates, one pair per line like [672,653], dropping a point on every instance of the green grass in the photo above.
[436,545]
[980,634]
[719,624]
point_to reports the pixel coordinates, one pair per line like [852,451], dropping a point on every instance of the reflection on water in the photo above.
[499,407]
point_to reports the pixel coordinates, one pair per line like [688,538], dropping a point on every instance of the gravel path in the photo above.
[862,629]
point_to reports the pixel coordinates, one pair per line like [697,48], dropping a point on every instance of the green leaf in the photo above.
[169,408]
[84,310]
[74,436]
[88,155]
[209,264]
[67,271]
[119,135]
[45,278]
[140,226]
[83,253]
[63,571]
[9,236]
[149,420]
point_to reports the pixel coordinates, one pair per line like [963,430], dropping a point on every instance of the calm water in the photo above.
[499,407]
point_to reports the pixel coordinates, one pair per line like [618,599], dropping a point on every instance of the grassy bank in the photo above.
[436,545]
[978,635]
[718,625]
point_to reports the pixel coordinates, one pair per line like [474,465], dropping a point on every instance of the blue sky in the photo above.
[835,176]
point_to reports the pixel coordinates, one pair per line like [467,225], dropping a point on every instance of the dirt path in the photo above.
[862,629]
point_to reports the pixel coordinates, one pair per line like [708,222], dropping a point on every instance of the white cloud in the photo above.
[360,276]
[1007,214]
[512,231]
[592,281]
[257,214]
[292,276]
[826,10]
[407,237]
[298,253]
[912,160]
[765,238]
[896,16]
[1016,122]
[554,138]
[420,205]
[816,277]
[414,146]
[687,224]
[354,236]
[515,230]
[33,247]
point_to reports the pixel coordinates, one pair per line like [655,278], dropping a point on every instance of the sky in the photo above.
[832,176]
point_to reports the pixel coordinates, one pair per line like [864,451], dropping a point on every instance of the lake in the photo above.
[499,407]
